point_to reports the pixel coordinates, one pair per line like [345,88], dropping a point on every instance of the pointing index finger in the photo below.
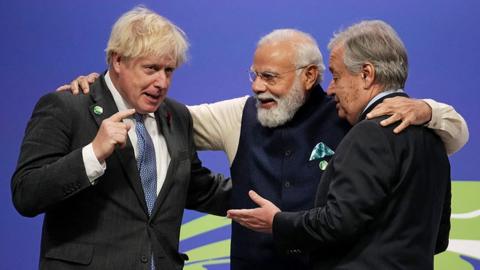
[119,116]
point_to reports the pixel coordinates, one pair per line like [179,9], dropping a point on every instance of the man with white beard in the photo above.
[279,141]
[287,117]
[270,138]
[285,109]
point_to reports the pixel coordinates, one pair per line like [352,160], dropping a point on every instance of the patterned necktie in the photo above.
[146,162]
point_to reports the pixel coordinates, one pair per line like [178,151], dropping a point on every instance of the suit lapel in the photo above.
[165,122]
[103,102]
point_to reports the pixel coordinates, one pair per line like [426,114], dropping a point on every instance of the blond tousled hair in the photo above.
[142,32]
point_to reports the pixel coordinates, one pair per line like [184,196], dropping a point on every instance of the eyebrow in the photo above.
[269,72]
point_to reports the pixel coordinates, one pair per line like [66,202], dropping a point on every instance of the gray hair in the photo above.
[306,48]
[375,42]
[142,32]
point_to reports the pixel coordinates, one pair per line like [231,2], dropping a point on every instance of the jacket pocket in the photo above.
[71,252]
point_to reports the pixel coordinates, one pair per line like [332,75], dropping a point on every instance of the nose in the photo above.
[331,89]
[162,80]
[258,86]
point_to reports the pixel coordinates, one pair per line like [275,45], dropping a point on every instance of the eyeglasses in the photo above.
[268,77]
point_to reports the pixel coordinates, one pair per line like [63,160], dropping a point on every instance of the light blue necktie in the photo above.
[146,163]
[147,166]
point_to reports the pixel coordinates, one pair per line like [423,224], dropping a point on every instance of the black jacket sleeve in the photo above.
[359,181]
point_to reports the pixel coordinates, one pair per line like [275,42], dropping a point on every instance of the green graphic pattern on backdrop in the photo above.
[465,226]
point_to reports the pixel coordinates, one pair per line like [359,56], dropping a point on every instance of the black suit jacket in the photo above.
[383,202]
[106,225]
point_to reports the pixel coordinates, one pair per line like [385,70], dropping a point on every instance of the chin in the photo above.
[341,114]
[352,120]
[147,109]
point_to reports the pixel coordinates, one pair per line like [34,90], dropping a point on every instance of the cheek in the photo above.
[345,101]
[349,98]
[140,80]
[277,92]
[348,95]
[281,89]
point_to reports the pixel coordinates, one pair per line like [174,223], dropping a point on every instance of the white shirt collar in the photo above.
[380,95]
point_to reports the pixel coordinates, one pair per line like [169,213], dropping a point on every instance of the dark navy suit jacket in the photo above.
[106,225]
[383,203]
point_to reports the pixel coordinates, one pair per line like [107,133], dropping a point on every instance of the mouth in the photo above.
[337,103]
[154,97]
[266,103]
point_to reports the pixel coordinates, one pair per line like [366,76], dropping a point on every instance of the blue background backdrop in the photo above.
[47,43]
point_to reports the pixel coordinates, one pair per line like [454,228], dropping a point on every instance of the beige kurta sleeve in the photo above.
[449,125]
[217,125]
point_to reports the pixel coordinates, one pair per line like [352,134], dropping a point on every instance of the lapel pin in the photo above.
[323,165]
[97,110]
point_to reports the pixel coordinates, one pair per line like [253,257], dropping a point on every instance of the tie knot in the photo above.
[138,117]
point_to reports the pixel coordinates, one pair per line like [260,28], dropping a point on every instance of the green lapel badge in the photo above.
[323,165]
[97,110]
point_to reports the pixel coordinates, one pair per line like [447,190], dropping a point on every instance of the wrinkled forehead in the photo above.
[336,57]
[167,60]
[274,56]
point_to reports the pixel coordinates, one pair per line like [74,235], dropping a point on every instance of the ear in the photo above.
[311,76]
[116,61]
[368,75]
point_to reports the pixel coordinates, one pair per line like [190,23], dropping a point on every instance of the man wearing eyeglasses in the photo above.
[273,138]
[384,200]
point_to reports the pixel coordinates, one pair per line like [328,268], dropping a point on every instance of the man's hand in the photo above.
[258,219]
[112,132]
[80,83]
[407,110]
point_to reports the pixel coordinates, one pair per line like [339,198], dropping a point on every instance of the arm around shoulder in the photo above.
[449,125]
[207,192]
[217,125]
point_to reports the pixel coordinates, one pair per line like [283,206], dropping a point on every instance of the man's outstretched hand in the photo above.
[258,219]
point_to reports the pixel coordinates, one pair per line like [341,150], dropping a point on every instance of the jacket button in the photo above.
[287,184]
[288,153]
[144,259]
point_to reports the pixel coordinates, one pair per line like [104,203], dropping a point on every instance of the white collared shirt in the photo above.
[381,95]
[95,169]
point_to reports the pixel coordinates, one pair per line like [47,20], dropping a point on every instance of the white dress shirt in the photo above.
[95,169]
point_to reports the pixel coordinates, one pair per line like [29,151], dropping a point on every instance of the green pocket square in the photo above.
[320,151]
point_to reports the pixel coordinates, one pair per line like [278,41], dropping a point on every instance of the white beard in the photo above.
[286,107]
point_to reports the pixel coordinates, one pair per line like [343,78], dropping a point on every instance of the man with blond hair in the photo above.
[269,138]
[112,171]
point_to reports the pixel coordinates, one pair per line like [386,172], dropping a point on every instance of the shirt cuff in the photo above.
[93,167]
[435,121]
